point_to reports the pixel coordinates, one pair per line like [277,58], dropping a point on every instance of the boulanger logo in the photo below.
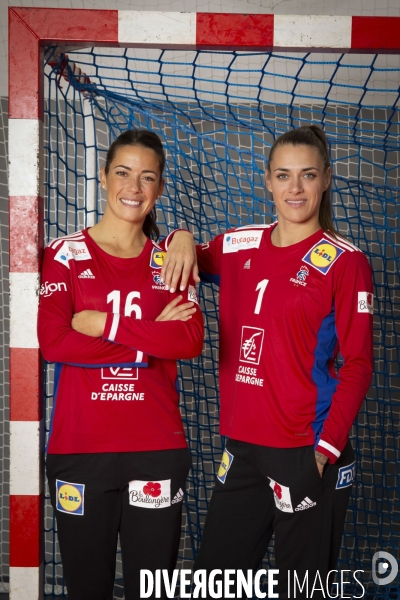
[282,496]
[150,494]
[323,255]
[157,258]
[384,568]
[70,497]
[226,462]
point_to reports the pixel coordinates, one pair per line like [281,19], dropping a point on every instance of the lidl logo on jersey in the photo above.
[323,255]
[226,463]
[157,258]
[72,251]
[282,497]
[150,494]
[251,345]
[120,373]
[70,497]
[346,476]
[365,303]
[241,240]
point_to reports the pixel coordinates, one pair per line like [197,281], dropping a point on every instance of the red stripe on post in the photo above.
[25,385]
[24,71]
[73,26]
[30,29]
[375,33]
[223,29]
[26,533]
[26,228]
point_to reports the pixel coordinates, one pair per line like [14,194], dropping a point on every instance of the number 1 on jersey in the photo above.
[261,286]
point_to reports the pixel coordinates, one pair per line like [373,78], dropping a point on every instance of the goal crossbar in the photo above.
[30,30]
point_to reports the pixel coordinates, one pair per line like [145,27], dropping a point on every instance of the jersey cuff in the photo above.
[328,450]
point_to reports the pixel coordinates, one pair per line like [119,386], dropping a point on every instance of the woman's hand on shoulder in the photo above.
[180,261]
[177,312]
[89,322]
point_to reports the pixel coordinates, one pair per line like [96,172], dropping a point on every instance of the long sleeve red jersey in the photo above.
[284,315]
[117,393]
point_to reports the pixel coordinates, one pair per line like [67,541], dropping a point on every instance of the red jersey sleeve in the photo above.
[209,259]
[353,302]
[58,341]
[162,339]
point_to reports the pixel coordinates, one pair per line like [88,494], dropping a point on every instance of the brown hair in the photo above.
[146,139]
[311,135]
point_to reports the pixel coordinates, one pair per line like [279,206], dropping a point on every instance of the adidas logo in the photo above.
[178,496]
[87,274]
[304,504]
[247,264]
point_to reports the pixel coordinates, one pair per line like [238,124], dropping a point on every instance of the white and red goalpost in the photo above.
[30,30]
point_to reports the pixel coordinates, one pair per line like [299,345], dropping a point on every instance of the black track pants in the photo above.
[90,517]
[279,490]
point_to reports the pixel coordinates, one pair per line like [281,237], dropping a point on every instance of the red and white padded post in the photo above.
[25,210]
[29,30]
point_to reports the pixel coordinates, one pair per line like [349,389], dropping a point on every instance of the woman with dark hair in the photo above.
[292,295]
[117,456]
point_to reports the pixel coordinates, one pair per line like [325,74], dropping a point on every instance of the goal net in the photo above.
[217,113]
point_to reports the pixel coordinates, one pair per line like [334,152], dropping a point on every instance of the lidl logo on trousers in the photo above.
[226,462]
[70,497]
[346,476]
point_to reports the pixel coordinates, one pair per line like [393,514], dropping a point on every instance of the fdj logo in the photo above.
[70,497]
[346,476]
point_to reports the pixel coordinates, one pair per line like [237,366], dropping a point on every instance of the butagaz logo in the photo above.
[87,274]
[226,462]
[241,240]
[47,289]
[247,264]
[282,497]
[251,345]
[304,504]
[301,276]
[365,302]
[157,258]
[72,251]
[118,373]
[192,294]
[323,255]
[70,497]
[346,476]
[178,496]
[150,494]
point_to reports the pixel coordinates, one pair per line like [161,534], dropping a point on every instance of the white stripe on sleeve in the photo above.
[114,327]
[329,447]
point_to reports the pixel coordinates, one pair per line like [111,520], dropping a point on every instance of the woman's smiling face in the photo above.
[133,183]
[297,179]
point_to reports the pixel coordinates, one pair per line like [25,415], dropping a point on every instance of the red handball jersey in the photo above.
[284,315]
[118,393]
